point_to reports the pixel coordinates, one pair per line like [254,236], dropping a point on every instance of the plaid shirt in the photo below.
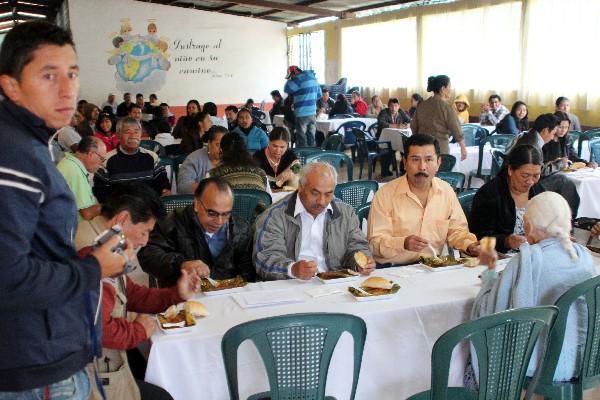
[493,117]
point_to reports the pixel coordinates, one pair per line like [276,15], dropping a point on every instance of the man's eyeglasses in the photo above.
[215,214]
[99,156]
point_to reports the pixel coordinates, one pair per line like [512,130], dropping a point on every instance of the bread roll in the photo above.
[361,259]
[487,244]
[578,165]
[195,308]
[377,282]
[171,312]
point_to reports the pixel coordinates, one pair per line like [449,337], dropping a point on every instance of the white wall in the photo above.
[235,58]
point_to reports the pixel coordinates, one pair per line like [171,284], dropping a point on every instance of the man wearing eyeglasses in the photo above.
[203,239]
[75,167]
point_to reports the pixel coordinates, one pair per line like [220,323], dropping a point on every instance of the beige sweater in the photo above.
[436,117]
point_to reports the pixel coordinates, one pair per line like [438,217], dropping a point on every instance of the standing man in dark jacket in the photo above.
[203,239]
[48,296]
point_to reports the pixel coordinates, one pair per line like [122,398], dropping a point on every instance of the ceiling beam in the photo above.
[302,3]
[290,7]
[379,5]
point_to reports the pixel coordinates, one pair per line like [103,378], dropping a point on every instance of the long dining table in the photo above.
[400,336]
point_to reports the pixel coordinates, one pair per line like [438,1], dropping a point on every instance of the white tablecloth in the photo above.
[333,124]
[489,128]
[585,149]
[278,120]
[587,182]
[394,135]
[396,361]
[470,163]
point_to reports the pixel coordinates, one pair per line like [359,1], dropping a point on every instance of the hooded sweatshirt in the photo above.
[463,116]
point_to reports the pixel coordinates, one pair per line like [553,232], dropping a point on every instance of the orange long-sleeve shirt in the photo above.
[396,213]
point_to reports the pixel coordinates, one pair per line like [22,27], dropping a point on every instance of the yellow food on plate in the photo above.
[195,308]
[577,165]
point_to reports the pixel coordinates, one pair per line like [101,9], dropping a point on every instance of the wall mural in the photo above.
[140,61]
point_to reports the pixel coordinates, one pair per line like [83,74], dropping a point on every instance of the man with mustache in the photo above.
[129,163]
[417,210]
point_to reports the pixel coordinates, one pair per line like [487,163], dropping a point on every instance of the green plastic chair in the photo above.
[174,162]
[503,342]
[369,149]
[173,202]
[355,193]
[474,134]
[497,161]
[303,152]
[589,372]
[334,142]
[466,201]
[363,213]
[576,136]
[454,179]
[249,203]
[448,162]
[499,142]
[296,350]
[153,145]
[335,159]
[595,149]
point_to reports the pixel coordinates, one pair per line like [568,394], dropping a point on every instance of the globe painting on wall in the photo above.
[141,61]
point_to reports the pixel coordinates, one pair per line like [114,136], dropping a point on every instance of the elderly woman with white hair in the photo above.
[548,265]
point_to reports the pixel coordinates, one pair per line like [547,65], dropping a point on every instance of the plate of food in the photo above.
[575,166]
[222,286]
[447,263]
[339,276]
[374,288]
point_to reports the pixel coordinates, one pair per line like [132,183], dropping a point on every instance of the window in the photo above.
[307,51]
[478,49]
[381,55]
[561,58]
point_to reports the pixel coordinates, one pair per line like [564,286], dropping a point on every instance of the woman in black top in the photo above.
[193,137]
[499,205]
[515,122]
[341,106]
[560,149]
[278,160]
[185,122]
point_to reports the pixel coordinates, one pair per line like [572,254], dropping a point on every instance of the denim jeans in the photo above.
[76,387]
[306,128]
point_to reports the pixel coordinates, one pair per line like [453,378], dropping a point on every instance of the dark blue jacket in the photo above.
[46,291]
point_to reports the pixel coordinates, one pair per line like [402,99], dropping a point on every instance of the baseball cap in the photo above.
[292,69]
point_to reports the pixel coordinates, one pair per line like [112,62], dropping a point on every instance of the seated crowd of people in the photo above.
[306,232]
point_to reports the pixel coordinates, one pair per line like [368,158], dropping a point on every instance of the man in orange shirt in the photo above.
[417,210]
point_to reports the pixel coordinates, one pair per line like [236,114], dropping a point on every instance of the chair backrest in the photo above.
[335,159]
[176,201]
[303,152]
[576,136]
[592,133]
[474,134]
[363,213]
[499,142]
[334,142]
[346,130]
[296,350]
[595,149]
[372,130]
[497,162]
[356,193]
[448,162]
[589,372]
[249,203]
[503,342]
[454,179]
[152,145]
[171,150]
[466,201]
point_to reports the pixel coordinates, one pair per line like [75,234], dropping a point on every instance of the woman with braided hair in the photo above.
[548,265]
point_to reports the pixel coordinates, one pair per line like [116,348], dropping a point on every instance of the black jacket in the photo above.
[179,237]
[47,294]
[561,148]
[493,212]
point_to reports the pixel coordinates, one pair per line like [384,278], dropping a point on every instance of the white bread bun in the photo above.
[195,308]
[361,259]
[377,282]
[171,312]
[578,165]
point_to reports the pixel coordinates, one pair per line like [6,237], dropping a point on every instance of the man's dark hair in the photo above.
[393,100]
[221,184]
[24,39]
[81,102]
[235,152]
[523,154]
[87,144]
[137,96]
[325,90]
[232,108]
[212,132]
[139,200]
[134,105]
[560,100]
[126,94]
[210,108]
[163,105]
[153,96]
[545,121]
[421,140]
[494,96]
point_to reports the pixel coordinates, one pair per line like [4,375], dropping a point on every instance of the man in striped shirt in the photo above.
[305,89]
